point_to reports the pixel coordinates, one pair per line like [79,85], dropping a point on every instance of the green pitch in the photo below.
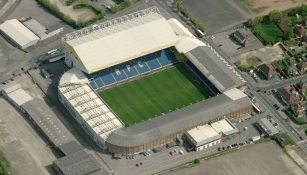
[155,94]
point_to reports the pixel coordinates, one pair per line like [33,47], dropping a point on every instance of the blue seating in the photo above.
[99,82]
[107,77]
[166,59]
[118,73]
[152,62]
[131,69]
[142,67]
[93,85]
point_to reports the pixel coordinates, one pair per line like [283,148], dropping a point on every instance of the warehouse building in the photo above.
[75,160]
[206,136]
[203,137]
[266,127]
[14,31]
[224,127]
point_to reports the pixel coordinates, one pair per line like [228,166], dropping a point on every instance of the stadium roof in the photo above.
[18,32]
[188,117]
[215,68]
[122,39]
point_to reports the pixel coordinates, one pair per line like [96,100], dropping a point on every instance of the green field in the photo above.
[269,32]
[155,94]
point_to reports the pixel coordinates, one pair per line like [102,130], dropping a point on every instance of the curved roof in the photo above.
[119,40]
[176,121]
[73,76]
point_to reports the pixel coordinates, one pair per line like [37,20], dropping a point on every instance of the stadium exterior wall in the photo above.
[170,138]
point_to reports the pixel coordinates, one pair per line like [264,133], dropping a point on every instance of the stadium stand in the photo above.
[90,111]
[203,78]
[130,69]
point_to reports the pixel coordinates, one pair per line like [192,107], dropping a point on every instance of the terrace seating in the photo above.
[131,69]
[203,78]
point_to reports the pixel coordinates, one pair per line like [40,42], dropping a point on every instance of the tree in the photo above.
[275,15]
[288,34]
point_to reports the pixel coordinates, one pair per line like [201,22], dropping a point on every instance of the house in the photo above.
[300,31]
[289,95]
[298,109]
[302,67]
[293,99]
[292,70]
[240,37]
[302,86]
[267,70]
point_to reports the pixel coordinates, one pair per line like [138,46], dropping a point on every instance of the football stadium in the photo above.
[130,91]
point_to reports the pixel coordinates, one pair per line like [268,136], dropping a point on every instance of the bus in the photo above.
[52,52]
[199,33]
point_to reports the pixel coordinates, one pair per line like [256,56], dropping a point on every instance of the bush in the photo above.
[4,165]
[196,22]
[196,161]
[56,11]
[69,2]
[79,24]
[295,119]
[124,4]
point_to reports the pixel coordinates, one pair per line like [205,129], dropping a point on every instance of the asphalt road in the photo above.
[285,82]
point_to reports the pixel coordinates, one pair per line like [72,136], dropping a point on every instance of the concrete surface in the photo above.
[26,151]
[219,14]
[258,159]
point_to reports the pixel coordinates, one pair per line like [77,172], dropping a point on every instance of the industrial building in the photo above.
[18,34]
[266,127]
[206,136]
[75,160]
[92,50]
[203,137]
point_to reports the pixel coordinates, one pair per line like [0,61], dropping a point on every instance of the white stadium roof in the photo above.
[18,32]
[121,39]
[93,111]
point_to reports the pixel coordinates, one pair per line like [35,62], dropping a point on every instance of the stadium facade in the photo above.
[146,37]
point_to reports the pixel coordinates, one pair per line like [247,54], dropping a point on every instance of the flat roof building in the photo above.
[78,163]
[17,33]
[203,137]
[224,127]
[266,127]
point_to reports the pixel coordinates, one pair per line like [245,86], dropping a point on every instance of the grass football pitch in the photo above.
[154,94]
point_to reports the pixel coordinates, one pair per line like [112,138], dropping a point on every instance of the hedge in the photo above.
[52,8]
